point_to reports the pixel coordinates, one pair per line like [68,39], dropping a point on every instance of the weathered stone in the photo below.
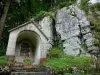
[92,48]
[85,30]
[74,42]
[89,42]
[88,36]
[72,46]
[68,21]
[46,26]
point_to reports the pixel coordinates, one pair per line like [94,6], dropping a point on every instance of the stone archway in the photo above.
[32,39]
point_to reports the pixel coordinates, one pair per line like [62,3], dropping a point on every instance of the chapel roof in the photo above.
[24,24]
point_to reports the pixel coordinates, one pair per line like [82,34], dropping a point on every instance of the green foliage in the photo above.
[77,74]
[3,61]
[84,5]
[51,14]
[18,14]
[69,61]
[93,12]
[55,52]
[97,66]
[95,22]
[39,15]
[3,47]
[65,4]
[4,41]
[68,74]
[27,61]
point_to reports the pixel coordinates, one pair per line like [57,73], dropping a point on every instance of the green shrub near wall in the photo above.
[55,53]
[3,60]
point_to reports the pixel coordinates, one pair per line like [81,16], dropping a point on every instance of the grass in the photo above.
[63,64]
[68,61]
[3,60]
[77,74]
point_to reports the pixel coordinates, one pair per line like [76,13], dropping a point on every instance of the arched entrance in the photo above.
[27,44]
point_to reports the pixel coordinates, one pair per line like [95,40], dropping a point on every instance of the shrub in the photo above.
[3,60]
[55,52]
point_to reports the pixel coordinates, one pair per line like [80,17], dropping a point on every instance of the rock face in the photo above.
[74,29]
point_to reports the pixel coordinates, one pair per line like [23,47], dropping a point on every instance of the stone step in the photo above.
[21,69]
[28,73]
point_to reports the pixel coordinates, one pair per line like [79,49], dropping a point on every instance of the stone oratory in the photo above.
[28,40]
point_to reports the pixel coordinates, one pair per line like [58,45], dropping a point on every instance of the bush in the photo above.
[3,60]
[55,52]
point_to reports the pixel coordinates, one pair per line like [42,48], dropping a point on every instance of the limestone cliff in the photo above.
[73,28]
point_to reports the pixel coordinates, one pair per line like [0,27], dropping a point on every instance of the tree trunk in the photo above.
[3,18]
